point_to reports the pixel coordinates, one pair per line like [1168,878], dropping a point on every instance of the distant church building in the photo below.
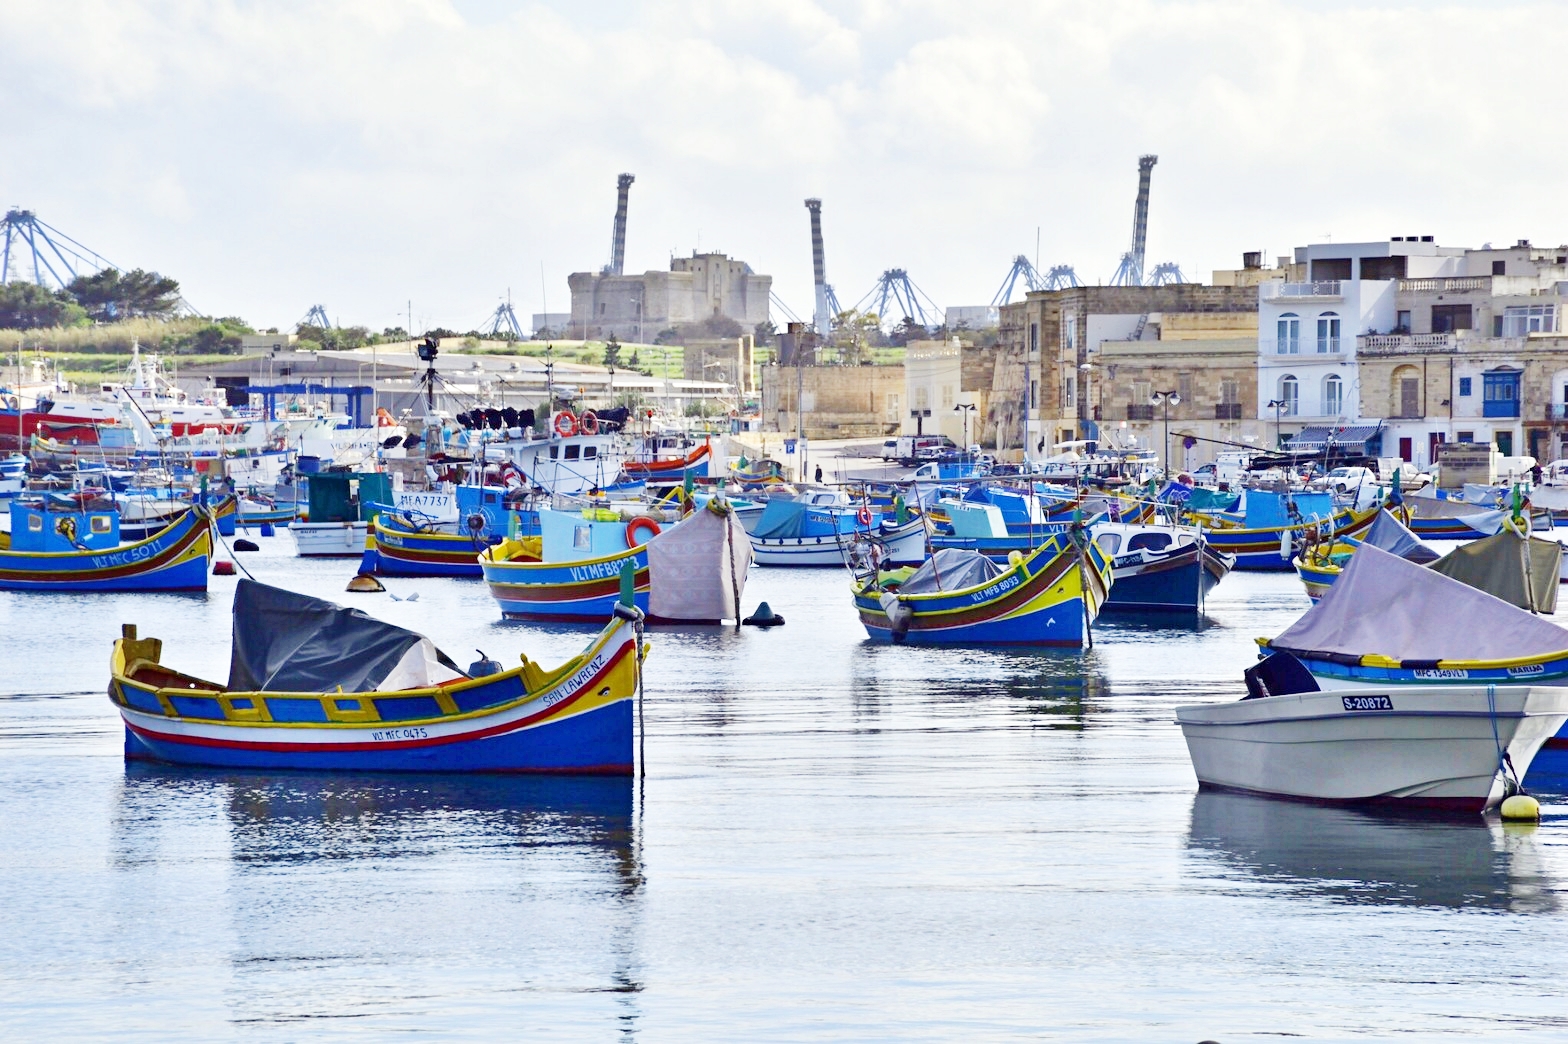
[637,307]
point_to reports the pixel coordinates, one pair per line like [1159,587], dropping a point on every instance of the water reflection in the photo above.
[1352,856]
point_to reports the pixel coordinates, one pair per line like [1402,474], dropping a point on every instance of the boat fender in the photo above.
[222,567]
[1521,806]
[764,617]
[636,526]
[246,545]
[483,667]
[1014,557]
[899,615]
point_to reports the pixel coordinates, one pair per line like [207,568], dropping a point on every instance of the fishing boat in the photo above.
[315,686]
[694,571]
[400,544]
[981,525]
[341,506]
[1458,747]
[61,543]
[796,532]
[958,597]
[1160,568]
[1321,562]
[696,464]
[1272,524]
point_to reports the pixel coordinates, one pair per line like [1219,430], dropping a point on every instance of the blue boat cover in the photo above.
[1267,510]
[288,642]
[1391,535]
[780,519]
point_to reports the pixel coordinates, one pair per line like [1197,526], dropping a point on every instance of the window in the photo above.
[1500,393]
[1034,337]
[1464,386]
[582,538]
[1141,390]
[590,451]
[1499,267]
[1522,320]
[1328,333]
[1070,332]
[555,451]
[1289,394]
[572,451]
[1288,341]
[1034,394]
[101,524]
[1448,318]
[1402,321]
[1230,391]
[922,398]
[1184,386]
[1333,395]
[1467,436]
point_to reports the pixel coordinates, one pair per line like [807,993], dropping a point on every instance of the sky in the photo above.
[365,154]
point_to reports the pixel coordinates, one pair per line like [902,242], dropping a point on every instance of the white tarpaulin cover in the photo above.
[1391,535]
[1384,604]
[697,567]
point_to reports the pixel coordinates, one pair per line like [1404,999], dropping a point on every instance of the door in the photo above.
[1505,443]
[1406,448]
[1409,397]
[1540,444]
[1434,439]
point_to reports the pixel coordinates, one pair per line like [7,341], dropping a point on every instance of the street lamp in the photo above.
[1276,405]
[1169,399]
[966,408]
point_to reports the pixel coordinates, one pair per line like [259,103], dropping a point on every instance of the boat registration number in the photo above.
[1006,584]
[400,734]
[1367,703]
[1442,674]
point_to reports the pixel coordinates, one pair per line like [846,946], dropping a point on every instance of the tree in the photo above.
[26,306]
[110,294]
[907,331]
[764,332]
[612,352]
[717,325]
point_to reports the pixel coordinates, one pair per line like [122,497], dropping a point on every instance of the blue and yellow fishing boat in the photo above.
[1273,524]
[960,597]
[314,686]
[398,545]
[65,544]
[1321,562]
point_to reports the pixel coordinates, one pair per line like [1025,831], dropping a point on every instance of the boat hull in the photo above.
[1429,746]
[329,539]
[394,551]
[1260,549]
[584,590]
[903,545]
[1176,582]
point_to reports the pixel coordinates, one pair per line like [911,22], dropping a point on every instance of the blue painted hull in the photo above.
[1063,626]
[599,742]
[175,559]
[564,590]
[187,576]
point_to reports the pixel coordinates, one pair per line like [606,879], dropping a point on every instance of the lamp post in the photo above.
[1276,405]
[966,408]
[1169,399]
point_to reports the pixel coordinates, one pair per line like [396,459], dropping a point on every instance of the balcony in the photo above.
[1137,412]
[1398,344]
[1227,411]
[1557,411]
[1323,290]
[1446,285]
[1500,408]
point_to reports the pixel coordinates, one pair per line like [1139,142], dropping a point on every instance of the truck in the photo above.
[910,450]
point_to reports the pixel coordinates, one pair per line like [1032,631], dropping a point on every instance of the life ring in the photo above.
[636,526]
[863,516]
[565,424]
[589,424]
[384,419]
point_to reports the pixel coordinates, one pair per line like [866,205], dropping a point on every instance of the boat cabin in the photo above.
[56,524]
[347,496]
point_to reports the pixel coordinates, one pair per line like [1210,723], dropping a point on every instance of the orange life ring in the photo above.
[638,524]
[565,424]
[864,515]
[589,424]
[383,418]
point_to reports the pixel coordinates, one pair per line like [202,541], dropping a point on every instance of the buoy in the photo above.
[483,667]
[1521,806]
[266,529]
[222,567]
[1014,557]
[246,545]
[364,583]
[764,617]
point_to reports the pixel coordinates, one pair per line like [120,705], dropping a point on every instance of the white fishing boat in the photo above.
[1451,747]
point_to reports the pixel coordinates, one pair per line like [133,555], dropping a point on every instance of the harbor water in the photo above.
[834,841]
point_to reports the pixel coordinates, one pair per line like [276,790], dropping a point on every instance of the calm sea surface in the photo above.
[835,841]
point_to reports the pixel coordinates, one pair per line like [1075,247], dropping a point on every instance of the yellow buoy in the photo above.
[1014,557]
[364,582]
[1521,806]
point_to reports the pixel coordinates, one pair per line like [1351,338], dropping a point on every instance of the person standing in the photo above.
[819,474]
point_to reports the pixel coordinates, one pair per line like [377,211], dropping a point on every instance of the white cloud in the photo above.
[272,154]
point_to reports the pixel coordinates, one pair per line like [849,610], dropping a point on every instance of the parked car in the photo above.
[1343,480]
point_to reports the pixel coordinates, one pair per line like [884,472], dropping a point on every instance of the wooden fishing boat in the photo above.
[797,532]
[397,545]
[1321,562]
[696,464]
[693,571]
[958,597]
[1269,547]
[76,547]
[317,687]
[1160,568]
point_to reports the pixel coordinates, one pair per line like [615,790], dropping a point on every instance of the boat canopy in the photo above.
[950,569]
[780,519]
[1392,536]
[1269,510]
[1519,570]
[1385,605]
[288,642]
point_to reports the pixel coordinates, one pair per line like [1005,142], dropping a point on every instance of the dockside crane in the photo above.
[35,252]
[895,287]
[1021,269]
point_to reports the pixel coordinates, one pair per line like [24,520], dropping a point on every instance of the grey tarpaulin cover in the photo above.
[1391,535]
[287,642]
[1514,569]
[948,570]
[1384,604]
